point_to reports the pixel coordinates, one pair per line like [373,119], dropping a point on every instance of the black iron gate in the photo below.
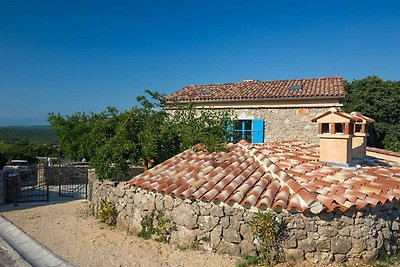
[73,181]
[28,186]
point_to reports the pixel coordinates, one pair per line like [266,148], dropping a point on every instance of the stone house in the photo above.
[268,110]
[336,203]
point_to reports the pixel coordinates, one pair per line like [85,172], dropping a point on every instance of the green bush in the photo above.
[156,225]
[265,229]
[108,213]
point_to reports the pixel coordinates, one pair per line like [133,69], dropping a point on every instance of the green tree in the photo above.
[72,132]
[147,134]
[26,150]
[379,100]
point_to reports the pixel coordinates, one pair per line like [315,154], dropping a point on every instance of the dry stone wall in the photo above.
[290,123]
[329,236]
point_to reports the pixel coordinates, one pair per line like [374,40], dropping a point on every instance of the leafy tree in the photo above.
[26,150]
[379,100]
[72,132]
[148,134]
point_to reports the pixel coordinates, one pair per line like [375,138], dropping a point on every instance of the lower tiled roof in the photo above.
[279,175]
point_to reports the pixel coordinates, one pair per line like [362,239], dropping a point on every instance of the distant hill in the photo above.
[41,133]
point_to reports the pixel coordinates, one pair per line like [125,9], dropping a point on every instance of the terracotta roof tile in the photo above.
[317,87]
[283,175]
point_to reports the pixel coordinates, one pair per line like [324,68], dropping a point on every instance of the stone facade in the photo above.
[285,123]
[330,236]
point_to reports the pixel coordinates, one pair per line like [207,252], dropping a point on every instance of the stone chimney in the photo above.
[335,132]
[359,142]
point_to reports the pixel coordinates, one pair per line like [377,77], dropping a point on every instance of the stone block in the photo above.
[205,208]
[224,222]
[395,226]
[340,257]
[134,222]
[225,247]
[185,215]
[207,222]
[215,236]
[308,245]
[311,227]
[314,236]
[231,235]
[323,244]
[341,245]
[386,233]
[122,222]
[370,242]
[245,231]
[295,255]
[379,240]
[321,257]
[299,234]
[159,202]
[246,247]
[296,223]
[229,211]
[370,255]
[183,237]
[358,246]
[168,202]
[327,231]
[238,216]
[216,211]
[344,231]
[289,243]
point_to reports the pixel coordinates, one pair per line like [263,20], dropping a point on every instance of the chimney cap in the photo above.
[340,113]
[364,118]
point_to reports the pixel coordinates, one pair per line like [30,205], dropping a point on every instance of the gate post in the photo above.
[2,189]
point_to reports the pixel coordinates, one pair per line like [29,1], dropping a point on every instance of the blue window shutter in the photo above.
[257,131]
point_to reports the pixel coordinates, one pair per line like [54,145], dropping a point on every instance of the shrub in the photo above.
[108,212]
[156,225]
[265,228]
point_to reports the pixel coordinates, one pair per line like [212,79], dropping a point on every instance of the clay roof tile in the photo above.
[244,177]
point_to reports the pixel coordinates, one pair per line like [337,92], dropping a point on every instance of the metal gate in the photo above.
[29,186]
[73,181]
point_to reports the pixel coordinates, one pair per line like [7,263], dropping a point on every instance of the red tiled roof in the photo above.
[285,174]
[317,87]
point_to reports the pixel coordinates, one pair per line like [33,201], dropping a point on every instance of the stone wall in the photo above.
[285,123]
[329,236]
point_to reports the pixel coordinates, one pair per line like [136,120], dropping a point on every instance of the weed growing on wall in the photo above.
[157,226]
[265,229]
[107,212]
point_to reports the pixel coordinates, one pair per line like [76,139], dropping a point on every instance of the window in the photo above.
[339,127]
[250,130]
[325,128]
[357,128]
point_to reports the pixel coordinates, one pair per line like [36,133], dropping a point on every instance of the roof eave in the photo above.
[251,99]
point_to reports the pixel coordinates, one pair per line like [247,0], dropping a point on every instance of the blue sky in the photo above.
[70,56]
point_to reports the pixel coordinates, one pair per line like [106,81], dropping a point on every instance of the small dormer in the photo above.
[336,130]
[359,142]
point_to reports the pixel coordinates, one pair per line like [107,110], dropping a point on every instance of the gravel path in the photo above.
[73,234]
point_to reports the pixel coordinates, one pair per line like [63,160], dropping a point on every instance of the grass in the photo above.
[393,260]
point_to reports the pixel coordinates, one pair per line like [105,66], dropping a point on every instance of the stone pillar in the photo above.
[92,177]
[2,190]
